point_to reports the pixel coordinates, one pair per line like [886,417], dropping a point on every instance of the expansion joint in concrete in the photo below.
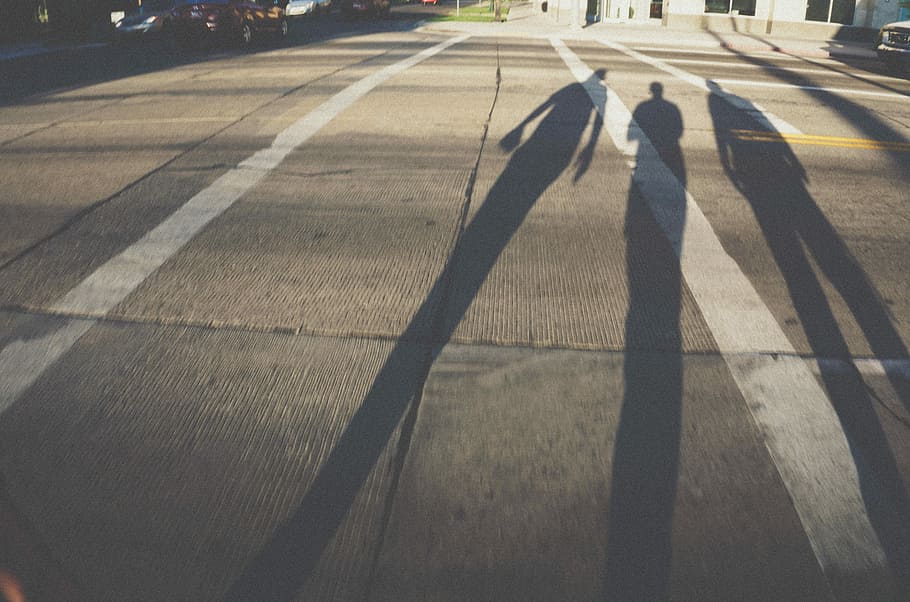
[438,336]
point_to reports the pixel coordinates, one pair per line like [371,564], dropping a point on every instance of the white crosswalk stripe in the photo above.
[801,429]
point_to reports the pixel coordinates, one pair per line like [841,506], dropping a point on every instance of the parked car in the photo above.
[300,8]
[232,20]
[150,18]
[893,45]
[369,8]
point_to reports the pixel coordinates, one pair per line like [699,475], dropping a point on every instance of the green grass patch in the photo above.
[471,11]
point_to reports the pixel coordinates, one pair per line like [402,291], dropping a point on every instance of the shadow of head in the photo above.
[657,90]
[568,106]
[659,119]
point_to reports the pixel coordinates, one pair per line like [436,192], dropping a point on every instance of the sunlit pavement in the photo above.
[397,312]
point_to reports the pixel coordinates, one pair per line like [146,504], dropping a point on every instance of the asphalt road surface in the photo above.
[391,313]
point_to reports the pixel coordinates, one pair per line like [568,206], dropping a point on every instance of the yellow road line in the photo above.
[833,141]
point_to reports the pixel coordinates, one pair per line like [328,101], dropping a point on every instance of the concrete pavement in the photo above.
[447,349]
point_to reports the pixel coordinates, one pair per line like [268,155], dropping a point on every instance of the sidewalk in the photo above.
[526,19]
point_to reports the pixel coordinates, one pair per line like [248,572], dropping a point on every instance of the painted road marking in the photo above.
[149,121]
[119,122]
[866,367]
[739,65]
[717,52]
[22,362]
[800,428]
[764,117]
[834,141]
[736,63]
[838,91]
[27,51]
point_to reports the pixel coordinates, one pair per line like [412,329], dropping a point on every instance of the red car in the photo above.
[233,20]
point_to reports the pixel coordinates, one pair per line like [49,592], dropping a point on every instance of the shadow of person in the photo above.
[662,123]
[771,178]
[285,564]
[646,451]
[533,167]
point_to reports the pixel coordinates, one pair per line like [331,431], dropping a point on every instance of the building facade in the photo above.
[807,19]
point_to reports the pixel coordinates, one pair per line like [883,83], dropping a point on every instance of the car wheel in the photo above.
[283,29]
[246,34]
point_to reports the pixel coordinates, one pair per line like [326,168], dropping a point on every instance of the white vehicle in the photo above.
[149,18]
[893,45]
[300,8]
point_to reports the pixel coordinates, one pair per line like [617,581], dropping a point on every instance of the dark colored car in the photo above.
[150,18]
[369,8]
[231,20]
[893,45]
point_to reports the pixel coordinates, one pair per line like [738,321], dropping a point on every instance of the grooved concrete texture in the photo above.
[351,232]
[180,462]
[546,251]
[108,135]
[156,466]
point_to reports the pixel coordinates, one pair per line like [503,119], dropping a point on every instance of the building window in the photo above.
[734,7]
[657,9]
[831,11]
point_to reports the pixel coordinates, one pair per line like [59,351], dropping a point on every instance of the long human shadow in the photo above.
[859,116]
[772,180]
[287,561]
[858,63]
[646,450]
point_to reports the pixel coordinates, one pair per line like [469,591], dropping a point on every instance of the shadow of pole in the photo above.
[646,450]
[824,66]
[772,180]
[285,564]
